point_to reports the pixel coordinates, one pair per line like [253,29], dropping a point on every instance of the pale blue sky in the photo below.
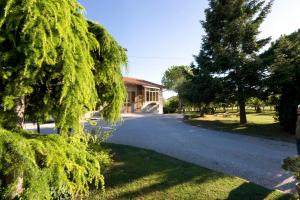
[162,33]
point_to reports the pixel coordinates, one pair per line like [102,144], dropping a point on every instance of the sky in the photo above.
[159,34]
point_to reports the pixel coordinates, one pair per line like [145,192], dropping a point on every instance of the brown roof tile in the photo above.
[134,81]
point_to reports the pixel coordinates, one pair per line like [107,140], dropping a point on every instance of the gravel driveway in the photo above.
[255,159]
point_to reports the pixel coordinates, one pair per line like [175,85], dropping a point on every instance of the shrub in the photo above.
[171,105]
[168,109]
[36,166]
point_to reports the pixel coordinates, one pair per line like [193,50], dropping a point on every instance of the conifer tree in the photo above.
[230,46]
[283,61]
[54,62]
[109,60]
[47,60]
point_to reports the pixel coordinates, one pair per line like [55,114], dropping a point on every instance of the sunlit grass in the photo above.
[143,174]
[259,124]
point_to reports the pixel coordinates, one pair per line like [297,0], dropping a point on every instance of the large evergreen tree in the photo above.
[47,42]
[230,46]
[109,60]
[52,62]
[283,60]
[200,89]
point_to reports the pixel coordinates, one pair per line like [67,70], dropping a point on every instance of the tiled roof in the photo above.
[134,81]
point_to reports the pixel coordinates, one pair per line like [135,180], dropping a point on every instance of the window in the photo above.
[147,96]
[152,94]
[128,97]
[132,97]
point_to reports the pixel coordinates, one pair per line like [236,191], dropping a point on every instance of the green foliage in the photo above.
[53,62]
[292,164]
[199,89]
[259,125]
[109,60]
[171,105]
[47,44]
[63,70]
[256,103]
[230,46]
[155,176]
[284,62]
[51,166]
[174,77]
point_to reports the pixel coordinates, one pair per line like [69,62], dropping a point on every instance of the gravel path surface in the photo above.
[255,159]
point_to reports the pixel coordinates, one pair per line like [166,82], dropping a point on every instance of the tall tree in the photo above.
[109,60]
[231,45]
[48,62]
[199,89]
[283,60]
[174,78]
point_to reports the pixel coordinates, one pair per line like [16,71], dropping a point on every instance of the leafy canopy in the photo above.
[230,46]
[51,56]
[283,62]
[175,76]
[50,166]
[109,60]
[61,65]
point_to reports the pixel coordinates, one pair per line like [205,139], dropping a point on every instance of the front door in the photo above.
[132,101]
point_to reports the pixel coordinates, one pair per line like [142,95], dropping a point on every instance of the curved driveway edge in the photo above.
[255,159]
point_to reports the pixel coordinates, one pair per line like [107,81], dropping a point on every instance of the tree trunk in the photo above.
[257,109]
[38,126]
[180,105]
[20,111]
[243,118]
[202,112]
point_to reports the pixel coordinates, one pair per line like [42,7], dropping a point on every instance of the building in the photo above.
[143,96]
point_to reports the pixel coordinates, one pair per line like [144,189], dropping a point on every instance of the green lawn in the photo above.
[259,124]
[142,174]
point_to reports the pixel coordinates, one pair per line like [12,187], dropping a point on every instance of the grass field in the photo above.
[259,124]
[143,174]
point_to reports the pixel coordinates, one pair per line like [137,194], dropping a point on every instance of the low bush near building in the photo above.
[36,166]
[171,105]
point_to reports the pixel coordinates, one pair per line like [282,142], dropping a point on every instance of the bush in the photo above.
[286,109]
[171,105]
[168,109]
[36,166]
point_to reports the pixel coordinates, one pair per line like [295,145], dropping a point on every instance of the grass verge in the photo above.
[144,174]
[259,124]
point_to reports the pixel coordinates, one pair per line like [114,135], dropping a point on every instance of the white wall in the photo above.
[153,109]
[145,107]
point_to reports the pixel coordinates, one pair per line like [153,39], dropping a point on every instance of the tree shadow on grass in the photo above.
[250,191]
[138,164]
[138,173]
[270,131]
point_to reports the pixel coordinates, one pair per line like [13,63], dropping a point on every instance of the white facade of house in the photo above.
[143,97]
